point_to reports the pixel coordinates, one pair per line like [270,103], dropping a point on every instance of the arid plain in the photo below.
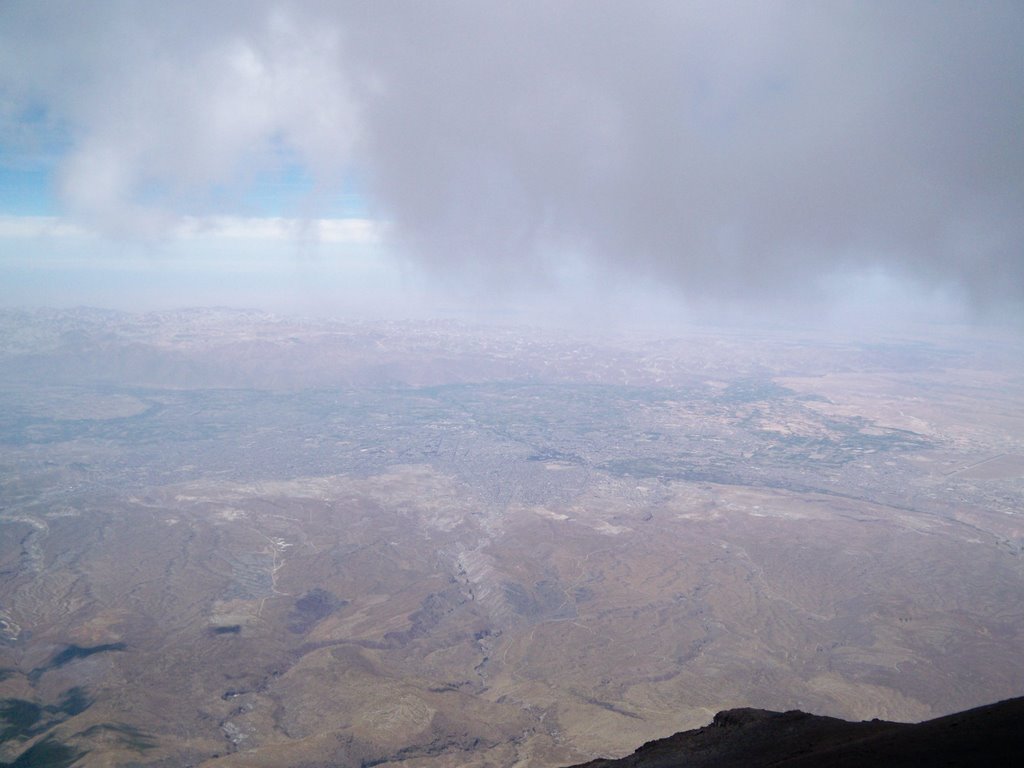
[235,539]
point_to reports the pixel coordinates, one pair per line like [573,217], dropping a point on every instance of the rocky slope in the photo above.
[986,736]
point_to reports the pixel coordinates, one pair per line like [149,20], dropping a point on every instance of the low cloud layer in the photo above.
[735,151]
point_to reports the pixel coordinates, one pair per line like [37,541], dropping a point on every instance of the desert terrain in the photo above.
[230,538]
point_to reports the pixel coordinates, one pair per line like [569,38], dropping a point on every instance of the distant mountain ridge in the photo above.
[991,735]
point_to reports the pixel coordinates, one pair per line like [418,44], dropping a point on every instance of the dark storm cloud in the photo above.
[729,148]
[733,150]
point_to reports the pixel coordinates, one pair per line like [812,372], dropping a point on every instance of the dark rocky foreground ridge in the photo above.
[992,735]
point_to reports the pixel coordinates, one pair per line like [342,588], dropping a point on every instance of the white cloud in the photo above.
[18,227]
[162,105]
[354,231]
[736,152]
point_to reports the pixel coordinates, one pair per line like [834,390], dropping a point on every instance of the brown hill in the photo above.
[992,735]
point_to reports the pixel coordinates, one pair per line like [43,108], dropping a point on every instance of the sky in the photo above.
[862,161]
